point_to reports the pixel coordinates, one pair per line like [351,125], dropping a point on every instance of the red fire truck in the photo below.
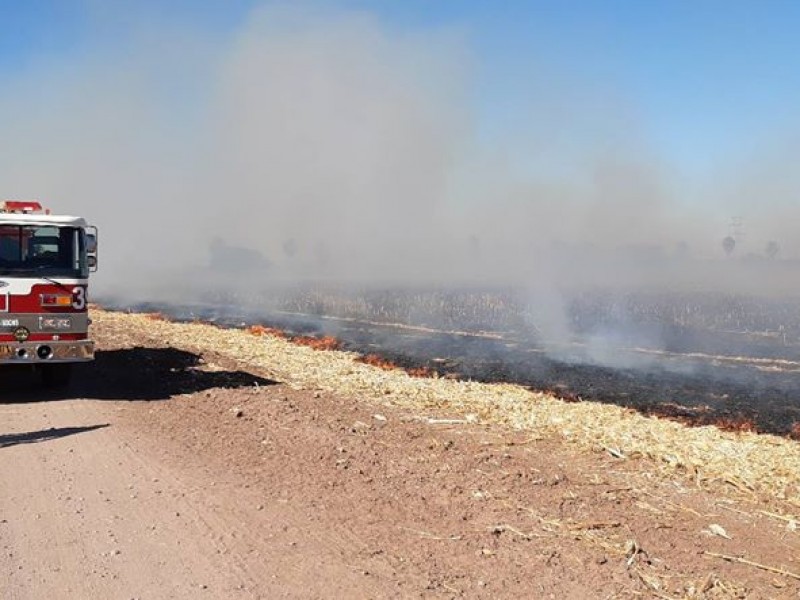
[45,261]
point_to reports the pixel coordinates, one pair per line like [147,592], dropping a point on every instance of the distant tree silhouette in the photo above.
[772,249]
[290,247]
[322,254]
[474,244]
[728,244]
[227,257]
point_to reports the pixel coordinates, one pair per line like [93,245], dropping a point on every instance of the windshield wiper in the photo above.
[45,277]
[53,281]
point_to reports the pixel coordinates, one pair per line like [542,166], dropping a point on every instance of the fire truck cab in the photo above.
[45,261]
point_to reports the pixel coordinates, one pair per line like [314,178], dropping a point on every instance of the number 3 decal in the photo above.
[79,298]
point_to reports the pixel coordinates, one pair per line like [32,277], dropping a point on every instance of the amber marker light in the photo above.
[57,300]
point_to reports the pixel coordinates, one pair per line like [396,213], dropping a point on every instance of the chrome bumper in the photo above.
[46,352]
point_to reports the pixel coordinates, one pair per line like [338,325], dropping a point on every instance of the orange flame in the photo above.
[387,365]
[324,343]
[261,330]
[376,361]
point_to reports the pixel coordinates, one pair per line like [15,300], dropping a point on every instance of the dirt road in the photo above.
[174,473]
[90,509]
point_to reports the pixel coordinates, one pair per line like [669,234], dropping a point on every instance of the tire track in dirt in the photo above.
[89,510]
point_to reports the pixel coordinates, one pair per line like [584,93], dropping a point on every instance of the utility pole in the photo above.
[736,230]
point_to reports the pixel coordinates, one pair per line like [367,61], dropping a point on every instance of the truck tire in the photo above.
[56,375]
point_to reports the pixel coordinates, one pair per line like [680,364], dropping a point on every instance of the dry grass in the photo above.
[742,459]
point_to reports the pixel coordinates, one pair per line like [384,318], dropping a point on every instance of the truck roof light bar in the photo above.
[22,206]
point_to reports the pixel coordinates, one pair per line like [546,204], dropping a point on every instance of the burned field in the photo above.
[732,361]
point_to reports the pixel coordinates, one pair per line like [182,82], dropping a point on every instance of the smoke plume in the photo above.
[304,144]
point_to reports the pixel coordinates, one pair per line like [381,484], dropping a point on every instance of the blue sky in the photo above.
[706,81]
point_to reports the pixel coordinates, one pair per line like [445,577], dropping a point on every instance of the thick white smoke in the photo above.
[307,144]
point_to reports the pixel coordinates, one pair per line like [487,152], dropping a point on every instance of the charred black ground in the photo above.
[729,360]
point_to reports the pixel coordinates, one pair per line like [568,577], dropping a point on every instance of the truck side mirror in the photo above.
[91,248]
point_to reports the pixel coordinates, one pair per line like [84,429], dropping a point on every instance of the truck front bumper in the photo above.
[46,352]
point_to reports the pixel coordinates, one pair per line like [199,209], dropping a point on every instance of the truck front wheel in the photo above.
[56,375]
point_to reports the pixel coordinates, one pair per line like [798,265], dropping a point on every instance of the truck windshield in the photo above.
[42,251]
